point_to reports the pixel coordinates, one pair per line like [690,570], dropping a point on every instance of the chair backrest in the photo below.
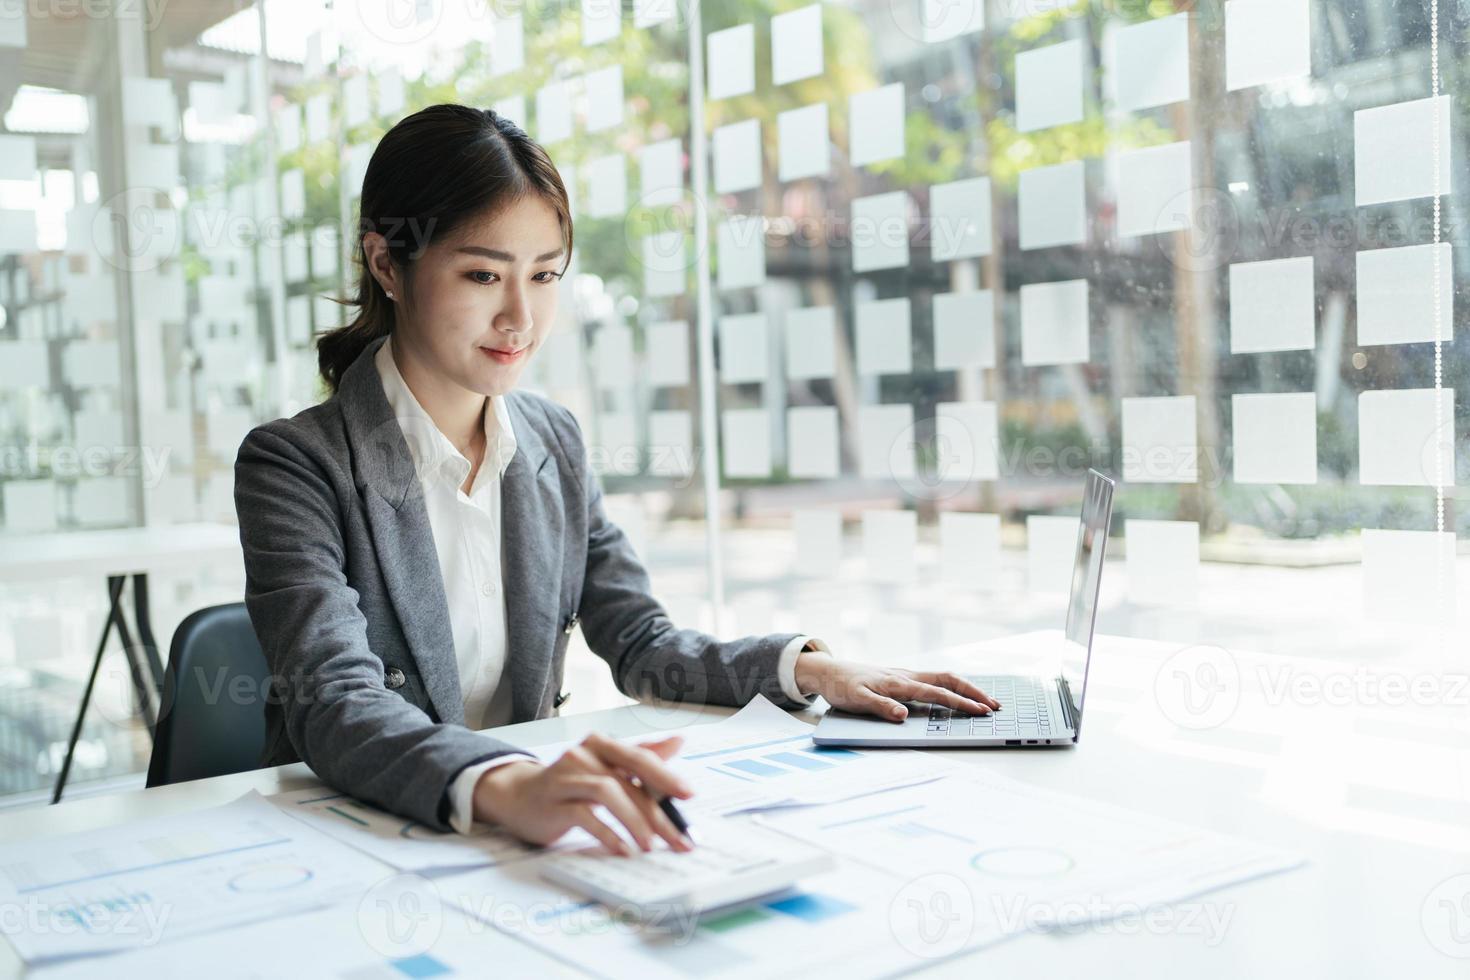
[212,719]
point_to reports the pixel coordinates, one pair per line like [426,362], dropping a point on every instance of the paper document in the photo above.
[399,928]
[761,757]
[398,841]
[1032,858]
[140,883]
[841,923]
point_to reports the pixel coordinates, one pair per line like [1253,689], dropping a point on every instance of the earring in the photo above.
[390,294]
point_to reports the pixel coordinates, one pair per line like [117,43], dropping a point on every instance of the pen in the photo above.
[666,804]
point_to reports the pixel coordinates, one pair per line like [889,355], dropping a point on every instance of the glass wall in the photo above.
[876,280]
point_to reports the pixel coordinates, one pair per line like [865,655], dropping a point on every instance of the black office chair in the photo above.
[211,723]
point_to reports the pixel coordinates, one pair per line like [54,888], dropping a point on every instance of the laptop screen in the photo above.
[1092,540]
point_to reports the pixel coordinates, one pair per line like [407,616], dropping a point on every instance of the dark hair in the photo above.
[429,174]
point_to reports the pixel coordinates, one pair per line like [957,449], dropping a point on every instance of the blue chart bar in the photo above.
[755,768]
[811,907]
[798,760]
[824,751]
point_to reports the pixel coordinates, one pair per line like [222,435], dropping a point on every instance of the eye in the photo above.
[488,277]
[548,276]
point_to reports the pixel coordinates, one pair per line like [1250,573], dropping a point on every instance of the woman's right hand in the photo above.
[539,803]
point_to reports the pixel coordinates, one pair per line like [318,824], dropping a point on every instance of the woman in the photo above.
[419,547]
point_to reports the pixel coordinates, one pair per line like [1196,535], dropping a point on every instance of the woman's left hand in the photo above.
[881,691]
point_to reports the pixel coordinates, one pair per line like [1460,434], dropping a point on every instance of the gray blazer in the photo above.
[345,594]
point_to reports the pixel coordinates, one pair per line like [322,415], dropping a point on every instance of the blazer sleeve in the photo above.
[353,732]
[626,626]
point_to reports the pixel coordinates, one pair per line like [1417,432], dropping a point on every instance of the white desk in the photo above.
[1351,793]
[115,555]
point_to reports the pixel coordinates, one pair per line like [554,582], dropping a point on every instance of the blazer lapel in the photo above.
[402,538]
[531,522]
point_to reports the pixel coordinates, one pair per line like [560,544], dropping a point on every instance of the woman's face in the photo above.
[482,300]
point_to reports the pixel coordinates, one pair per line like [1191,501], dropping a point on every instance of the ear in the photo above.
[380,263]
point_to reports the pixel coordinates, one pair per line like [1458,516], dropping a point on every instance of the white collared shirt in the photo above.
[466,529]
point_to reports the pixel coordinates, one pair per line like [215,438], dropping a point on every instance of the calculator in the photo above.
[732,862]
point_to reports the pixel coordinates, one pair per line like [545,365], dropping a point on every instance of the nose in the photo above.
[515,315]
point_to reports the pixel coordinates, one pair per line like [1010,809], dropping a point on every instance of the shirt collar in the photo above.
[433,454]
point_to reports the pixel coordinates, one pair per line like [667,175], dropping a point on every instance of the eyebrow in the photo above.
[495,253]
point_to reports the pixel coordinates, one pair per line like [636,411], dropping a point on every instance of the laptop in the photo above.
[1034,711]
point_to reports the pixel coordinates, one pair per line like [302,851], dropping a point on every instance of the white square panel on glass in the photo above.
[661,173]
[612,355]
[745,440]
[604,89]
[1053,206]
[731,55]
[1151,63]
[742,251]
[1049,86]
[1155,189]
[607,186]
[1051,546]
[1273,306]
[1162,562]
[1274,437]
[796,45]
[875,122]
[1267,41]
[554,112]
[968,438]
[390,91]
[818,535]
[1401,440]
[884,344]
[1397,300]
[665,264]
[1055,323]
[886,442]
[959,219]
[969,550]
[744,354]
[670,443]
[1160,440]
[805,149]
[30,505]
[811,442]
[507,45]
[1393,150]
[890,538]
[668,353]
[737,156]
[964,330]
[602,20]
[880,232]
[810,343]
[1409,576]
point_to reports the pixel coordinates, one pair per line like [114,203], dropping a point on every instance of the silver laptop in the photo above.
[1033,710]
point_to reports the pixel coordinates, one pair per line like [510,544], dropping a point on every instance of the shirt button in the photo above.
[394,679]
[487,589]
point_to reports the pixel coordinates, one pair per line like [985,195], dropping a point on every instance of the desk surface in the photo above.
[1376,795]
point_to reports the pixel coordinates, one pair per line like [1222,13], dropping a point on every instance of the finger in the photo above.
[872,703]
[665,748]
[656,817]
[647,765]
[583,816]
[613,793]
[943,678]
[914,690]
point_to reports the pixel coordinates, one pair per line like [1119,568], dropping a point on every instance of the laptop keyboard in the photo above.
[1025,712]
